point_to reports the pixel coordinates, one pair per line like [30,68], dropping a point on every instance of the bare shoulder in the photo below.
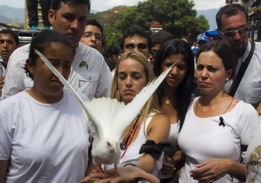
[160,120]
[160,116]
[158,128]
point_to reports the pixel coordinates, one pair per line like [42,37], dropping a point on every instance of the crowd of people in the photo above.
[201,125]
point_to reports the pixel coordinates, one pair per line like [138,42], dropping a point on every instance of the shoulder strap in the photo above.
[241,71]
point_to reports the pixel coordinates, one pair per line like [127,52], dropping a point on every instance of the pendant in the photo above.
[122,146]
[167,102]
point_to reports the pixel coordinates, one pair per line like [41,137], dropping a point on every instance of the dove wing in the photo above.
[68,86]
[132,109]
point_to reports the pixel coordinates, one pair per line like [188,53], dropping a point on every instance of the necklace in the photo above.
[221,119]
[124,145]
[167,100]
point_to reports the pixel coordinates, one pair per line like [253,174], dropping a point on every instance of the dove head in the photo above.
[106,151]
[112,145]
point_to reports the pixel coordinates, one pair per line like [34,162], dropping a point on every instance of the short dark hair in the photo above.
[135,30]
[94,22]
[112,50]
[160,37]
[229,10]
[56,4]
[12,33]
[41,41]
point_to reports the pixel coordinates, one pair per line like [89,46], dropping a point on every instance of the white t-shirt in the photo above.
[203,138]
[90,74]
[45,143]
[253,157]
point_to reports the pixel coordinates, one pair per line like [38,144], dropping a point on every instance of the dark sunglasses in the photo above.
[140,46]
[232,33]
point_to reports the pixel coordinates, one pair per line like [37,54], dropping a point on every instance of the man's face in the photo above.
[136,43]
[154,51]
[93,37]
[7,46]
[69,20]
[235,32]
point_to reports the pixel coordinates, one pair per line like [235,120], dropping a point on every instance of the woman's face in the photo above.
[210,73]
[131,79]
[178,72]
[46,84]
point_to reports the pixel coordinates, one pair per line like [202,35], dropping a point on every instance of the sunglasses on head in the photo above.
[141,46]
[232,33]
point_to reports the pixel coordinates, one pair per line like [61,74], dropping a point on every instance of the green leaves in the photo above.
[177,17]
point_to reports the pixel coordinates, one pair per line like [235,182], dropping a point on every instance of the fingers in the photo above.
[151,178]
[88,179]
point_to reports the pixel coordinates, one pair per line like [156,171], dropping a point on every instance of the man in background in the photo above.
[93,35]
[232,22]
[9,41]
[90,75]
[135,38]
[157,39]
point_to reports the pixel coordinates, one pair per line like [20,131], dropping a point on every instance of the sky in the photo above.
[102,5]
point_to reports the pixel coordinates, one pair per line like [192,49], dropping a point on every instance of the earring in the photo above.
[227,79]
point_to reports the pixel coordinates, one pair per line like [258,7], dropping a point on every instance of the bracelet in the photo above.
[129,164]
[235,172]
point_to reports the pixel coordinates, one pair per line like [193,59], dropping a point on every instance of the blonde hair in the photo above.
[152,105]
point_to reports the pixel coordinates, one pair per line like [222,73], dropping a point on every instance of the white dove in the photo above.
[108,118]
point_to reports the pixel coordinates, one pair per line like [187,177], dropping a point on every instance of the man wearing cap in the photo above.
[202,39]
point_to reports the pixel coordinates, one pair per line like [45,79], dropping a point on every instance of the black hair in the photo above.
[94,22]
[41,41]
[56,4]
[184,89]
[224,52]
[160,37]
[229,10]
[135,30]
[12,33]
[112,50]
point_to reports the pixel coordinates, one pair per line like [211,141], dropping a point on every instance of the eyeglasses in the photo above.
[90,34]
[140,46]
[232,33]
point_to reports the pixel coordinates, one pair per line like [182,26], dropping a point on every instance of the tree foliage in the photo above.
[177,17]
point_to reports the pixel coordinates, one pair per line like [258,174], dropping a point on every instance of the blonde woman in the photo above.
[133,72]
